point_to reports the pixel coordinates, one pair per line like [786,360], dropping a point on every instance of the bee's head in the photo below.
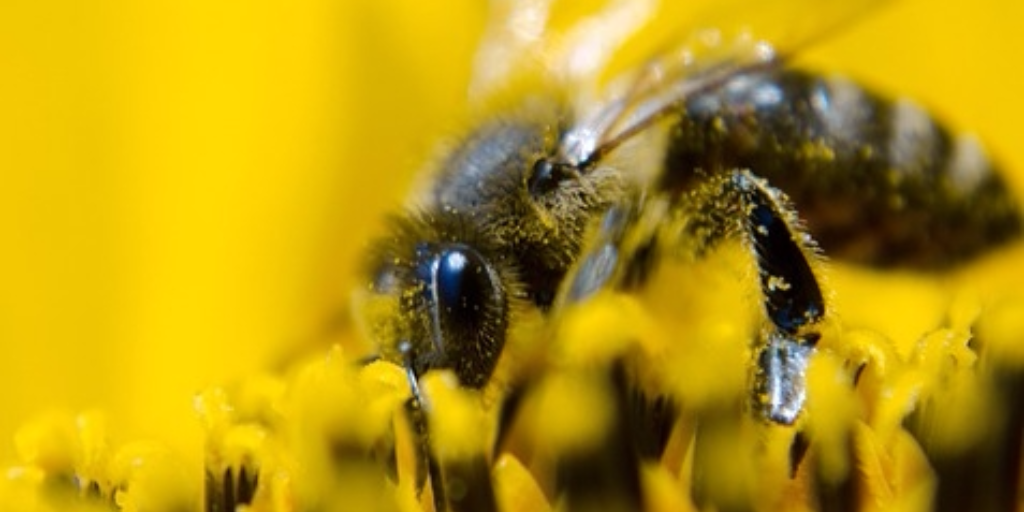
[448,297]
[506,179]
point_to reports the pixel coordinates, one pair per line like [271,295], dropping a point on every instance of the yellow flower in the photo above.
[188,188]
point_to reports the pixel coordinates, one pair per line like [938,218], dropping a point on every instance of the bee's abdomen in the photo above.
[877,181]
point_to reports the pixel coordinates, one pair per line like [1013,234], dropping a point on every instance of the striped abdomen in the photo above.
[877,181]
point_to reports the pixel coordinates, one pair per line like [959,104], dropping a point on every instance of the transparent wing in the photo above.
[525,36]
[715,42]
[696,46]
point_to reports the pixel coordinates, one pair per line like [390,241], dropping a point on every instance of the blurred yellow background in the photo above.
[187,185]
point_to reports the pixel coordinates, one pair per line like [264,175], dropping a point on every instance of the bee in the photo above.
[567,194]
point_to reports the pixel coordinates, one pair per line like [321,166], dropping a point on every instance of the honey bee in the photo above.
[570,193]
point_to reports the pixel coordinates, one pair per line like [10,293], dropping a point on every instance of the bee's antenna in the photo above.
[646,105]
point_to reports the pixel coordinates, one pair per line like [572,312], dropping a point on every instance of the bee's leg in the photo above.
[739,204]
[622,256]
[606,475]
[792,298]
[795,307]
[602,472]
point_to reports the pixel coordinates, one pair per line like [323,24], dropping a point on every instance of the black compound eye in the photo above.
[467,309]
[462,283]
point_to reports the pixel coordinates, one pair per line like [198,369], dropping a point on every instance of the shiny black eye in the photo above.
[461,283]
[466,308]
